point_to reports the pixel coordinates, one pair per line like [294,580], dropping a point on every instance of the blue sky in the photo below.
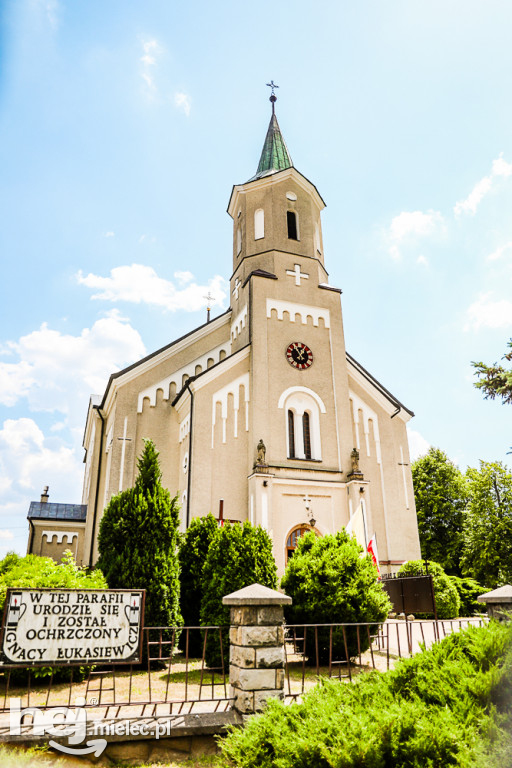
[124,125]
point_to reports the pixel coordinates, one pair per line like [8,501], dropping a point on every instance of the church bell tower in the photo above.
[285,311]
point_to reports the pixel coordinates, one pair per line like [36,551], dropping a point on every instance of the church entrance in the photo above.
[294,536]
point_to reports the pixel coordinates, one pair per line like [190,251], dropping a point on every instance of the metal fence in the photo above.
[176,680]
[169,682]
[343,651]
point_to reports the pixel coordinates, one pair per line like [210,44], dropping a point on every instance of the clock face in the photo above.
[299,355]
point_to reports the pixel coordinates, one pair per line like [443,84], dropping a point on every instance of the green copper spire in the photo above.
[274,156]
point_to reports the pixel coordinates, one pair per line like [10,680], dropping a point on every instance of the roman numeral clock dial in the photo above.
[299,355]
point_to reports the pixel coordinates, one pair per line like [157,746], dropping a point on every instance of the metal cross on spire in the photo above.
[209,298]
[273,97]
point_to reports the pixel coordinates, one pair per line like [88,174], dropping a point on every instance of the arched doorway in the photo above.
[294,536]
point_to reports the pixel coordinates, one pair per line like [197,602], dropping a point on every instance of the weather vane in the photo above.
[209,298]
[273,97]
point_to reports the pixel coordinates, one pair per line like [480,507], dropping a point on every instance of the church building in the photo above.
[259,414]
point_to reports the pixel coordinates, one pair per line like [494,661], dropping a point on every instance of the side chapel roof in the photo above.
[51,510]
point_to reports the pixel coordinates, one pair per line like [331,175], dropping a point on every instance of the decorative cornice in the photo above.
[304,310]
[187,370]
[202,379]
[155,358]
[258,273]
[266,181]
[326,287]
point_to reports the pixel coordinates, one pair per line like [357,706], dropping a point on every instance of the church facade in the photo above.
[261,414]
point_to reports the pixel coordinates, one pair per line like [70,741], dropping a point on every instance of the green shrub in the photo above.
[445,592]
[239,556]
[194,545]
[34,572]
[329,582]
[431,711]
[468,590]
[10,560]
[138,541]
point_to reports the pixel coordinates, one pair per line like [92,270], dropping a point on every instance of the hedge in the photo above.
[434,710]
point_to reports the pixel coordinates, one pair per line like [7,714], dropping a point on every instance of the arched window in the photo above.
[293,230]
[291,434]
[302,409]
[306,434]
[293,538]
[259,224]
[238,241]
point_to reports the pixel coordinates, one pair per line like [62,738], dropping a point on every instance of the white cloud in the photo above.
[57,372]
[109,234]
[499,252]
[182,101]
[50,8]
[418,446]
[183,277]
[16,380]
[500,167]
[150,51]
[138,284]
[30,461]
[410,226]
[488,313]
[422,260]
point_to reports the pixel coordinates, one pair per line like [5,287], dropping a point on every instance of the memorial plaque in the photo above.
[72,626]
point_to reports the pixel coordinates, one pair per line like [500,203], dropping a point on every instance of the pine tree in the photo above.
[194,547]
[138,541]
[239,556]
[495,380]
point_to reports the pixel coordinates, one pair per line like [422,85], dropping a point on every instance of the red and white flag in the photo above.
[372,549]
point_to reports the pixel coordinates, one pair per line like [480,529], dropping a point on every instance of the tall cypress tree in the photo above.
[138,542]
[240,555]
[194,547]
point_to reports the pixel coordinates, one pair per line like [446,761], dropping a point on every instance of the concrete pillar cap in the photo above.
[500,595]
[256,594]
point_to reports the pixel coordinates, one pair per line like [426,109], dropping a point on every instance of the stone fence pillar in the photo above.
[256,655]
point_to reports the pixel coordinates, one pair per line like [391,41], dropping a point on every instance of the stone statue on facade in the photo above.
[356,473]
[260,457]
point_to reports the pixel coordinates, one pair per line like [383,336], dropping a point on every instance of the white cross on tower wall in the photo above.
[236,288]
[297,274]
